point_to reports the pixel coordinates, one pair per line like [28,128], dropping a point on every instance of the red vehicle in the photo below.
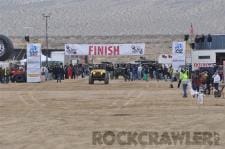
[18,75]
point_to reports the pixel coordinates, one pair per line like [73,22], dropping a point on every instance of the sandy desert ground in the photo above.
[64,116]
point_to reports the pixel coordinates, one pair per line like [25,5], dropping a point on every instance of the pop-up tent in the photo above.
[43,59]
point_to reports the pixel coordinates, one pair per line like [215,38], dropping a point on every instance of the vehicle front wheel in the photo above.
[91,81]
[106,81]
[20,78]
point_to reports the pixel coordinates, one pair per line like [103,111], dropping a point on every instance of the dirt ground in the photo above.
[64,116]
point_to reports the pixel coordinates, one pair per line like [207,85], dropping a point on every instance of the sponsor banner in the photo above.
[105,49]
[199,65]
[165,59]
[178,54]
[33,63]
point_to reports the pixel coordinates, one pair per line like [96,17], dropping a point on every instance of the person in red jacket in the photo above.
[196,81]
[70,71]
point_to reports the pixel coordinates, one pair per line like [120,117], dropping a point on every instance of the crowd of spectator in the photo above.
[4,75]
[201,81]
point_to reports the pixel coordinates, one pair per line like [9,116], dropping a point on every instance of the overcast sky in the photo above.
[111,17]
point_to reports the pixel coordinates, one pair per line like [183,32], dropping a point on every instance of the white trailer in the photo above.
[206,58]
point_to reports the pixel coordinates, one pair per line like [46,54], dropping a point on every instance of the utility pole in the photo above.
[46,17]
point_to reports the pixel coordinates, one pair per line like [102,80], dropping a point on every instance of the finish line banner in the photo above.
[105,49]
[33,63]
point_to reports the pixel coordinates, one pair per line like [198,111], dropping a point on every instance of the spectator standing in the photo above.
[65,72]
[216,80]
[131,73]
[42,74]
[139,72]
[209,40]
[195,81]
[208,82]
[59,73]
[6,75]
[46,73]
[184,81]
[146,73]
[1,75]
[70,71]
[74,72]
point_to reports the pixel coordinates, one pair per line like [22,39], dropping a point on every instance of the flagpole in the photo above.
[191,33]
[192,41]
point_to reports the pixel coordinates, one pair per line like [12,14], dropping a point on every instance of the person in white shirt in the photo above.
[216,80]
[139,72]
[46,73]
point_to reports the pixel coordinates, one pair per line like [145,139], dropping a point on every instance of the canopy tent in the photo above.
[43,59]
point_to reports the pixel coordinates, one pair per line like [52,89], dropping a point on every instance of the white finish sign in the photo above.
[105,49]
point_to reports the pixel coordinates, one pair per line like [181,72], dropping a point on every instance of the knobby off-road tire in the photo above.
[91,81]
[20,78]
[106,81]
[6,48]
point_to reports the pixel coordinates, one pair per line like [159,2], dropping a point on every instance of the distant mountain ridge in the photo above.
[111,17]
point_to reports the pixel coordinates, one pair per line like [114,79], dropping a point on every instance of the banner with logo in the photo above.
[196,66]
[105,49]
[165,59]
[178,54]
[33,63]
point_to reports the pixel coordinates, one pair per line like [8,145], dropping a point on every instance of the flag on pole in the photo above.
[191,30]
